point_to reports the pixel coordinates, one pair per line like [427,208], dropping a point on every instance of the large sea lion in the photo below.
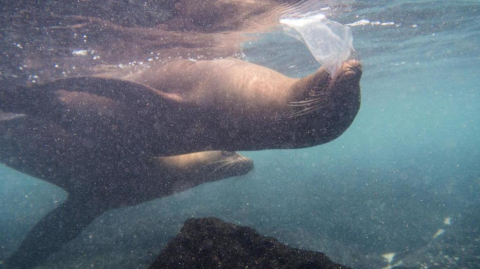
[256,107]
[187,106]
[96,181]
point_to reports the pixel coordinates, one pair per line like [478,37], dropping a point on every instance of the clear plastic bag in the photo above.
[330,42]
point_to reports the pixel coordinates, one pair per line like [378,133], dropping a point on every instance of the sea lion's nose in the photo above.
[351,69]
[245,167]
[353,65]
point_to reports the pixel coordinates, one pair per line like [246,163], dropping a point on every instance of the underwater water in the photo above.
[403,179]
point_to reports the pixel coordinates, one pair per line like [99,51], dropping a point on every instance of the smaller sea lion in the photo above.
[95,180]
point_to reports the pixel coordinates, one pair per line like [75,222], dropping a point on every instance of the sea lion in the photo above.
[224,104]
[104,132]
[95,181]
[258,108]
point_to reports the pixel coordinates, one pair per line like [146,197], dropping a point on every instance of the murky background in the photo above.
[404,178]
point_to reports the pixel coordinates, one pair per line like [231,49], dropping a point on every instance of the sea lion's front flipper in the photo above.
[57,228]
[115,89]
[43,98]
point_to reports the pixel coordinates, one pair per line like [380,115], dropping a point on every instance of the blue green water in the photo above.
[408,163]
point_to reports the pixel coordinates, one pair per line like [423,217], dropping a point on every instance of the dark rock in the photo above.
[212,243]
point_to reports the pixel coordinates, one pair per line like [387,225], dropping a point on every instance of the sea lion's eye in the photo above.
[227,153]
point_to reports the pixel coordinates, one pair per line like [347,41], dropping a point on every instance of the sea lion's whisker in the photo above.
[320,87]
[305,111]
[223,163]
[306,102]
[296,105]
[226,164]
[243,158]
[218,168]
[219,161]
[309,106]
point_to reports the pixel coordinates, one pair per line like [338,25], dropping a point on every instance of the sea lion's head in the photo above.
[189,170]
[262,109]
[223,164]
[324,107]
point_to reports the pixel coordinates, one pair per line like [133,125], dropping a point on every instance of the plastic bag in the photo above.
[330,42]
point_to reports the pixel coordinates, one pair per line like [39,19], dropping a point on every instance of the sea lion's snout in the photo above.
[350,70]
[331,107]
[229,164]
[244,166]
[241,165]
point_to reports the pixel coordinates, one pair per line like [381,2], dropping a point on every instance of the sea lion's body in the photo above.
[189,106]
[96,137]
[251,107]
[96,179]
[45,150]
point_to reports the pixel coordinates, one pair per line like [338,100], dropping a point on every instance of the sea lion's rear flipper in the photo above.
[57,228]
